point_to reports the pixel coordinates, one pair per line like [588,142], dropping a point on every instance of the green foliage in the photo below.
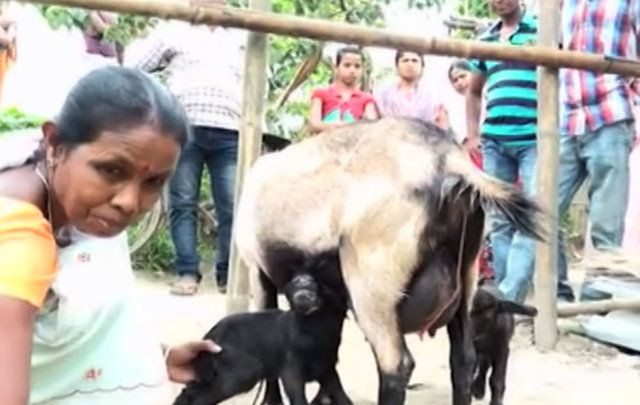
[123,32]
[130,27]
[423,4]
[64,17]
[158,253]
[12,119]
[474,8]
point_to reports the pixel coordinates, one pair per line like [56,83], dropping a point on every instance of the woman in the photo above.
[103,162]
[100,51]
[409,96]
[93,329]
[342,103]
[459,77]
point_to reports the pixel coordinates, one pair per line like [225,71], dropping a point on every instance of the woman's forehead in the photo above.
[144,146]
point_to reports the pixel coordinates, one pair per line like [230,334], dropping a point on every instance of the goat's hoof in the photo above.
[478,389]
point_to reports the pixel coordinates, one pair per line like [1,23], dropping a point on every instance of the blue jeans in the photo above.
[603,156]
[513,252]
[217,149]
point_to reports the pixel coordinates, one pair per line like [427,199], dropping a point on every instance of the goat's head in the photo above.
[488,303]
[303,294]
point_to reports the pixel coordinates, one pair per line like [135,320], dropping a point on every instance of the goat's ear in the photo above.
[516,308]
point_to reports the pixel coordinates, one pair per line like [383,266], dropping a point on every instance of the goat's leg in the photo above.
[293,384]
[374,304]
[461,356]
[266,297]
[498,376]
[331,391]
[480,380]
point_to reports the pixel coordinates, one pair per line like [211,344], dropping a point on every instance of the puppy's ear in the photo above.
[516,308]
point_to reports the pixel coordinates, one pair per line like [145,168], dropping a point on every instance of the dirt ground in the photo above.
[579,371]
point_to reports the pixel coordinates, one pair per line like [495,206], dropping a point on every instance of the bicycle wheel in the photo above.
[140,232]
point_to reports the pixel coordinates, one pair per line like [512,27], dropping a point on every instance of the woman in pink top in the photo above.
[409,97]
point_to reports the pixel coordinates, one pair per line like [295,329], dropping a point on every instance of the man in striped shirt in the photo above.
[596,132]
[508,139]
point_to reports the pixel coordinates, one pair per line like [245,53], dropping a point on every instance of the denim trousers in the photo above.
[216,148]
[513,252]
[603,157]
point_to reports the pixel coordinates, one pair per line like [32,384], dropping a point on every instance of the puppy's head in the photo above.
[303,294]
[488,303]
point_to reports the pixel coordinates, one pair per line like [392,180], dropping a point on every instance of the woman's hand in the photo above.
[180,358]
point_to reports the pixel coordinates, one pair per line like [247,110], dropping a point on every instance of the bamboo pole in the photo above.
[597,307]
[238,296]
[341,32]
[546,330]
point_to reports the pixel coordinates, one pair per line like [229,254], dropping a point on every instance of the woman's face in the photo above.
[349,70]
[460,80]
[409,66]
[102,186]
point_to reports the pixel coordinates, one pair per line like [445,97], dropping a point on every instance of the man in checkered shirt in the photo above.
[203,67]
[596,116]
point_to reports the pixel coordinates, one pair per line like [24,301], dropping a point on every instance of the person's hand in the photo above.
[180,358]
[472,146]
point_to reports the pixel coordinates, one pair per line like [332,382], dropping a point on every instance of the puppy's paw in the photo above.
[478,388]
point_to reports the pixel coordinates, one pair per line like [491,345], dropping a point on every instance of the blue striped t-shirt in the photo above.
[511,116]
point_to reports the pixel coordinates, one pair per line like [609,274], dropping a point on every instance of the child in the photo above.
[342,103]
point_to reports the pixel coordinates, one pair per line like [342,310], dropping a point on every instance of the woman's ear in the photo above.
[51,141]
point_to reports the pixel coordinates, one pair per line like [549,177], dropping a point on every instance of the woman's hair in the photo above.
[116,98]
[352,50]
[460,64]
[400,53]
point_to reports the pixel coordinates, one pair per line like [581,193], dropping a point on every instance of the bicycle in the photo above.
[141,232]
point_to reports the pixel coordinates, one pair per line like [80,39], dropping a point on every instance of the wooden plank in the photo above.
[546,329]
[598,307]
[238,296]
[547,55]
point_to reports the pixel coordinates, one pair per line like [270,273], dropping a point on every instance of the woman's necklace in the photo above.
[45,183]
[61,236]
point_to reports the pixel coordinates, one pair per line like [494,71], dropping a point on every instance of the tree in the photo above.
[128,27]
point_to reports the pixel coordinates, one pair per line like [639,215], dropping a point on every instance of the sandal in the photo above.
[185,285]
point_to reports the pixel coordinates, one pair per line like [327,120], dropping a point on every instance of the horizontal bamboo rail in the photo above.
[597,307]
[342,32]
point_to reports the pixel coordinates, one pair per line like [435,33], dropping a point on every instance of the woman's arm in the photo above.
[371,111]
[441,117]
[7,32]
[16,329]
[100,22]
[179,359]
[315,120]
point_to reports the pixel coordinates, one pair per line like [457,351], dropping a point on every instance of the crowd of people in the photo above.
[106,157]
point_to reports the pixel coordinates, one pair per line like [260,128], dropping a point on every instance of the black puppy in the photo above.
[493,326]
[296,346]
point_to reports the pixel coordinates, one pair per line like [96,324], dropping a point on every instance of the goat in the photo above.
[390,210]
[493,325]
[296,346]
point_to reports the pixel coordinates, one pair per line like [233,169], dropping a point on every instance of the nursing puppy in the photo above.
[296,346]
[493,325]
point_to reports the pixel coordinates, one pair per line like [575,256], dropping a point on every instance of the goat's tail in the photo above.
[523,212]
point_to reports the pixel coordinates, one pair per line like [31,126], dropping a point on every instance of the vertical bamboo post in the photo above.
[546,332]
[249,148]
